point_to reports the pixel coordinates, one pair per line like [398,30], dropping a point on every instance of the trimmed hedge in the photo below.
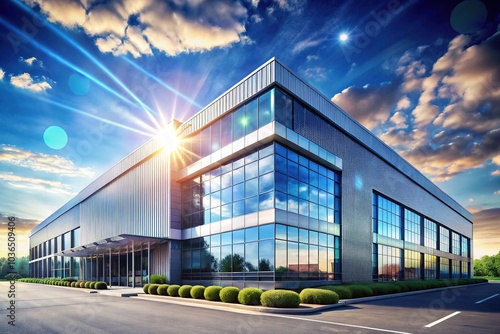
[163,289]
[229,294]
[158,279]
[153,289]
[342,291]
[359,291]
[212,293]
[198,291]
[101,285]
[173,290]
[250,296]
[318,296]
[185,291]
[145,288]
[87,285]
[92,285]
[280,298]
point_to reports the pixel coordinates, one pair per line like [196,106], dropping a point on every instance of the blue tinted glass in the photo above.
[266,114]
[280,201]
[323,213]
[239,123]
[238,258]
[313,237]
[281,182]
[226,258]
[215,184]
[206,147]
[238,191]
[252,157]
[313,194]
[281,150]
[227,127]
[252,187]
[238,175]
[303,207]
[303,235]
[303,161]
[227,195]
[303,190]
[215,199]
[323,198]
[293,156]
[322,182]
[313,210]
[252,234]
[281,164]
[331,186]
[227,180]
[314,178]
[266,231]
[266,151]
[266,165]
[216,136]
[251,170]
[293,233]
[266,201]
[304,174]
[238,163]
[238,208]
[283,109]
[215,240]
[226,238]
[293,169]
[252,256]
[227,211]
[330,241]
[266,182]
[313,166]
[266,255]
[251,204]
[251,116]
[293,204]
[281,231]
[238,236]
[293,187]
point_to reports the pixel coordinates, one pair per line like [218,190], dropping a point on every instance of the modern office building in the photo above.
[271,185]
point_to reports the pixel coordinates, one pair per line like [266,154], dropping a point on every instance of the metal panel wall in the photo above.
[67,222]
[136,203]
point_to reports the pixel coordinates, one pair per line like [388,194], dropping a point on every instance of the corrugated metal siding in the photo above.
[160,260]
[67,222]
[135,203]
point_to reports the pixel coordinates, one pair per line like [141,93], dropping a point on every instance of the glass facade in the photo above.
[388,219]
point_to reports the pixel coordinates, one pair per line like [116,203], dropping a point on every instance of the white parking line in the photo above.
[485,299]
[442,319]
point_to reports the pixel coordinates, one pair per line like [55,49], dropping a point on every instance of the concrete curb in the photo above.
[302,309]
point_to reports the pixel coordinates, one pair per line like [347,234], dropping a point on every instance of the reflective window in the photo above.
[444,239]
[388,217]
[412,265]
[389,263]
[444,268]
[429,266]
[412,227]
[430,234]
[465,247]
[455,243]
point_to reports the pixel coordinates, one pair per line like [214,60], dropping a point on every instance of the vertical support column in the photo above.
[126,256]
[109,267]
[149,261]
[103,267]
[133,265]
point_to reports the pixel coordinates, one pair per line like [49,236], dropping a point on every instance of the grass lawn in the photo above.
[489,278]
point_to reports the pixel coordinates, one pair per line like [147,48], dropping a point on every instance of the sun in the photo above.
[343,37]
[169,138]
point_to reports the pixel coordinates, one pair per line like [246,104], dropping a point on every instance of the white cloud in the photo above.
[36,184]
[25,81]
[496,192]
[404,103]
[30,61]
[166,26]
[496,173]
[2,74]
[40,162]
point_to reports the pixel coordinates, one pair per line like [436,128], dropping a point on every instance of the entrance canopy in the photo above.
[118,244]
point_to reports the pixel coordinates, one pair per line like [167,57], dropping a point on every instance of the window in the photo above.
[412,226]
[429,266]
[455,243]
[444,239]
[465,246]
[388,218]
[430,234]
[412,265]
[388,263]
[444,268]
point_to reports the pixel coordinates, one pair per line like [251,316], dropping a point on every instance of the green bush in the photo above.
[197,292]
[229,294]
[212,293]
[158,279]
[359,291]
[163,289]
[87,285]
[82,284]
[153,289]
[173,290]
[145,288]
[342,291]
[384,288]
[101,285]
[318,296]
[92,285]
[69,279]
[185,291]
[249,296]
[73,284]
[280,298]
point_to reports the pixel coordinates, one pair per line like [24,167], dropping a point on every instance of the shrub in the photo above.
[318,296]
[92,285]
[87,285]
[212,293]
[185,291]
[342,291]
[101,285]
[82,284]
[162,289]
[69,279]
[229,294]
[173,290]
[280,298]
[249,296]
[383,288]
[145,288]
[158,279]
[153,289]
[358,291]
[73,284]
[197,292]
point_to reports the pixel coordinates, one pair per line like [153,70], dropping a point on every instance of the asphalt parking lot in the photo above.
[50,309]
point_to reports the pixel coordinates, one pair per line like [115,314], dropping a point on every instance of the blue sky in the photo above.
[83,83]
